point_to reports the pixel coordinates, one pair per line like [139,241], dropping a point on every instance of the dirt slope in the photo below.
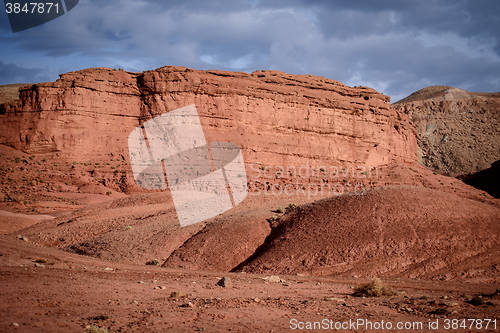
[392,231]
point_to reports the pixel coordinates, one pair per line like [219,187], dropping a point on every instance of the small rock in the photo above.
[225,282]
[188,305]
[15,324]
[39,265]
[478,300]
[177,294]
[335,299]
[450,304]
[108,269]
[273,279]
[256,299]
[135,302]
[140,282]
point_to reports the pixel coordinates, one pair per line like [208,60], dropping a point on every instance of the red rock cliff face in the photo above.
[276,118]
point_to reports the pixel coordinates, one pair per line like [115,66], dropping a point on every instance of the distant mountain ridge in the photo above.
[458,131]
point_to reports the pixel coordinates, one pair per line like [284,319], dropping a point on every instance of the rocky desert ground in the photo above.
[357,218]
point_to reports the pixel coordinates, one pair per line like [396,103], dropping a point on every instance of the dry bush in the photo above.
[95,329]
[374,289]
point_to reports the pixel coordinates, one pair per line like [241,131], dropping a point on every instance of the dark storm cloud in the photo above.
[396,47]
[10,73]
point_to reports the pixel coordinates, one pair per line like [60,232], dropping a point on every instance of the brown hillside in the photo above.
[458,131]
[393,231]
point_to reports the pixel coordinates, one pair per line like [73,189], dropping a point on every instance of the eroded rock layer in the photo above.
[276,118]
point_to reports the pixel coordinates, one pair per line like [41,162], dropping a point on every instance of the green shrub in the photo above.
[109,193]
[18,160]
[273,218]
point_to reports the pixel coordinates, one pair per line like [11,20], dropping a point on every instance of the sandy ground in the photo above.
[66,293]
[58,209]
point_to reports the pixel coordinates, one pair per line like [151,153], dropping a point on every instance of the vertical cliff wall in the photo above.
[276,118]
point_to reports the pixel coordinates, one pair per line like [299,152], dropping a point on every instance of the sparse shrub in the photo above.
[75,163]
[41,181]
[32,157]
[273,218]
[66,183]
[154,262]
[322,169]
[109,193]
[95,329]
[38,162]
[281,209]
[44,159]
[113,167]
[86,164]
[374,289]
[434,173]
[56,164]
[18,160]
[262,168]
[291,205]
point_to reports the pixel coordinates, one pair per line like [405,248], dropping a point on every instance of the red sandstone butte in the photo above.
[276,118]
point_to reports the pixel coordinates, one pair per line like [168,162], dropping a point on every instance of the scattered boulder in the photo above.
[273,279]
[225,282]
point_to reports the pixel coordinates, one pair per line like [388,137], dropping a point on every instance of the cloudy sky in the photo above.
[394,46]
